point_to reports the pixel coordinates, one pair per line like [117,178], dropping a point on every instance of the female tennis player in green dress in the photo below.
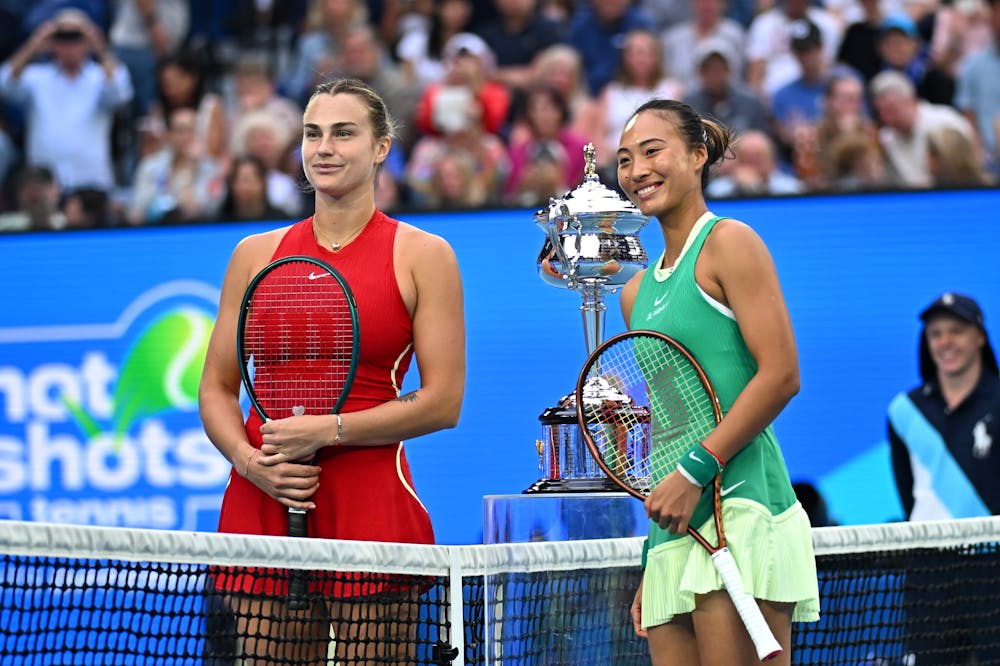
[715,290]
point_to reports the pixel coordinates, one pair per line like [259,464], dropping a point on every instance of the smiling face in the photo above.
[955,345]
[657,170]
[340,153]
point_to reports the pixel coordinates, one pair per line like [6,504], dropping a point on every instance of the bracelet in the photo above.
[340,431]
[699,465]
[246,470]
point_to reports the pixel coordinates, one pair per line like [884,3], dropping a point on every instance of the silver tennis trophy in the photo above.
[592,247]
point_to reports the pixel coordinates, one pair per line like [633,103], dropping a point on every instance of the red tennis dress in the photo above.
[365,492]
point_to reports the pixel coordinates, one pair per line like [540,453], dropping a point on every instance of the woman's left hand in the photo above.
[296,438]
[672,502]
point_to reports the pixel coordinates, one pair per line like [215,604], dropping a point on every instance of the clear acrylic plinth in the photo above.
[562,517]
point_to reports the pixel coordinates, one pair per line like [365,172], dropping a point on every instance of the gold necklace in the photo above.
[335,246]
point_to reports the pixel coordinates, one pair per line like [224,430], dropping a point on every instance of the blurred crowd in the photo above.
[137,112]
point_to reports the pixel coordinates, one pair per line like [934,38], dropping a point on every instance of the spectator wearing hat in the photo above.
[797,107]
[719,96]
[905,124]
[944,438]
[945,433]
[469,76]
[770,61]
[70,100]
[903,50]
[708,23]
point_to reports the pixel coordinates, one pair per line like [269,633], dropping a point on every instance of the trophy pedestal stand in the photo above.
[562,516]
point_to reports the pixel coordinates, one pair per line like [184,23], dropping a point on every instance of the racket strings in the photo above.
[658,409]
[298,340]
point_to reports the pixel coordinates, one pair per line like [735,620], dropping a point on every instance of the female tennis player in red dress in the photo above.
[409,297]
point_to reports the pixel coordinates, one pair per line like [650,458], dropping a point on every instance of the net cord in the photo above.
[28,538]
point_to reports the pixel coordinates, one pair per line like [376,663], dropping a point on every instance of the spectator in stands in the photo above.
[87,209]
[421,48]
[516,36]
[328,23]
[681,42]
[953,160]
[142,32]
[978,90]
[182,83]
[470,72]
[859,47]
[255,89]
[754,172]
[906,122]
[70,100]
[549,160]
[954,31]
[456,184]
[36,207]
[597,31]
[903,50]
[770,61]
[10,156]
[364,58]
[943,432]
[718,96]
[797,107]
[456,116]
[854,161]
[560,67]
[263,136]
[846,145]
[268,30]
[179,183]
[641,76]
[246,193]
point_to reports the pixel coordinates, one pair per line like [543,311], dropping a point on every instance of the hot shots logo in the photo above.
[101,426]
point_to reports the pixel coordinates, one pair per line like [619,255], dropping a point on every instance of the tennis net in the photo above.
[906,594]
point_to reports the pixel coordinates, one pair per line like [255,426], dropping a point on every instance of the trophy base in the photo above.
[583,485]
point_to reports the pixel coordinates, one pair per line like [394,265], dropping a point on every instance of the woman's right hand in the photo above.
[291,483]
[636,612]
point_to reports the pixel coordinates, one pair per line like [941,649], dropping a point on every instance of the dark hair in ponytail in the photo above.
[695,129]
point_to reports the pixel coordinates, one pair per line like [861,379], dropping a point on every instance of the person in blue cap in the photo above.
[942,433]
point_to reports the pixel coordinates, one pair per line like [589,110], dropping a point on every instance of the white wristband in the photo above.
[687,475]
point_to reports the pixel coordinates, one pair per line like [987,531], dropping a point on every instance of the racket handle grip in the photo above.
[298,580]
[765,643]
[298,526]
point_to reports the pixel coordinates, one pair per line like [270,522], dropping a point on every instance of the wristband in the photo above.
[340,431]
[645,553]
[699,465]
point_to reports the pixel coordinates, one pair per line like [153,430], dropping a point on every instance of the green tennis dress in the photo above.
[766,527]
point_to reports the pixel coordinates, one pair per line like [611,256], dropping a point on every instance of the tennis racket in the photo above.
[642,402]
[297,341]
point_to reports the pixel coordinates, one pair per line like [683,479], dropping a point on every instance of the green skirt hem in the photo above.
[774,555]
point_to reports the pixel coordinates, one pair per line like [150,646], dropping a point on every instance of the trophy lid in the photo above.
[592,201]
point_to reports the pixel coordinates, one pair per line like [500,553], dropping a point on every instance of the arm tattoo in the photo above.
[408,397]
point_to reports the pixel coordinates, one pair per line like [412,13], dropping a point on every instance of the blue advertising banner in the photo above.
[102,335]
